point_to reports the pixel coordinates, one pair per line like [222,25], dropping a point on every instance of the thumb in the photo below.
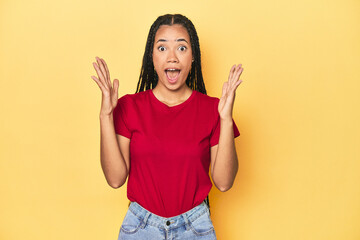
[116,86]
[224,89]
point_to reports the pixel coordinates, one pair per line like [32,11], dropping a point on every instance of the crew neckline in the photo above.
[166,107]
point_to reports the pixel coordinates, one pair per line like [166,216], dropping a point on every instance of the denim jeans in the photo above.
[140,224]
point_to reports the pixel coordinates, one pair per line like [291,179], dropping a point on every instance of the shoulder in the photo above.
[207,100]
[133,98]
[208,106]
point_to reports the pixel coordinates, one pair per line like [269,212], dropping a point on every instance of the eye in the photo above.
[161,48]
[182,48]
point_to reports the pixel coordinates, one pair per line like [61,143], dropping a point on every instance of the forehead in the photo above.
[172,32]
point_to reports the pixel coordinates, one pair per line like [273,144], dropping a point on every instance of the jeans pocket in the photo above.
[131,223]
[202,225]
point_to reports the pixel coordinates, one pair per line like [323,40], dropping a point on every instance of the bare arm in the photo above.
[114,149]
[224,161]
[114,162]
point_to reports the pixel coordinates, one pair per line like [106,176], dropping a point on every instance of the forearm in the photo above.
[226,162]
[112,161]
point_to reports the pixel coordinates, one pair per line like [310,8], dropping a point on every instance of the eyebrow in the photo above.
[177,40]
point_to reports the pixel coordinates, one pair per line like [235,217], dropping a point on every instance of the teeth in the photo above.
[172,69]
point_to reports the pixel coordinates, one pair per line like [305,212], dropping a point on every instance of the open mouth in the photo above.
[172,73]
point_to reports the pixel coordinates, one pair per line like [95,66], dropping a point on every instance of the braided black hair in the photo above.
[148,77]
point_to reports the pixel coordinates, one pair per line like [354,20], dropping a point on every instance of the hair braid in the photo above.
[148,78]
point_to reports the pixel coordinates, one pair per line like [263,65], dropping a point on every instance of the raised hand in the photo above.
[226,102]
[109,93]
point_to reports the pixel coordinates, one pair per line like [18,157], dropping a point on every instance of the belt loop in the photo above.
[186,221]
[145,219]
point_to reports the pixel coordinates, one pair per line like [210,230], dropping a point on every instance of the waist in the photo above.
[164,222]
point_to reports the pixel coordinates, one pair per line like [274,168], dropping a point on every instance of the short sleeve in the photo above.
[215,133]
[119,115]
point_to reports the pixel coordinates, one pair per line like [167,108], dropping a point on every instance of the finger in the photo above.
[230,78]
[238,83]
[231,72]
[101,66]
[101,86]
[116,87]
[233,76]
[107,74]
[237,74]
[107,70]
[103,71]
[224,89]
[228,87]
[101,76]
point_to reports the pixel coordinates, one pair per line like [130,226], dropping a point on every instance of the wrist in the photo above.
[226,120]
[105,116]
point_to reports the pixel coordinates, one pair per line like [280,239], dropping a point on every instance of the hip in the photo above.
[140,223]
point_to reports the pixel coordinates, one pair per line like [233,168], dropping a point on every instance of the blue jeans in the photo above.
[140,224]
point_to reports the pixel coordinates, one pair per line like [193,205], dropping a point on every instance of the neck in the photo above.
[172,97]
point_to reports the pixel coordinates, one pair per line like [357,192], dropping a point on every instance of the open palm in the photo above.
[109,93]
[226,102]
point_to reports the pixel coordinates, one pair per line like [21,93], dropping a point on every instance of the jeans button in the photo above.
[168,223]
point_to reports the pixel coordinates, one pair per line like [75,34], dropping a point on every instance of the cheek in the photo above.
[155,62]
[189,61]
[189,58]
[157,59]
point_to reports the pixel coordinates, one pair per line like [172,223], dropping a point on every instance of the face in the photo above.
[172,56]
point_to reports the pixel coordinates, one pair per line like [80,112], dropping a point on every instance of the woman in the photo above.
[177,133]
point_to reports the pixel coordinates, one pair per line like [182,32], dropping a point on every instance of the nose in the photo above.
[172,56]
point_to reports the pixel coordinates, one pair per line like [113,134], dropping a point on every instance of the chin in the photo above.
[173,86]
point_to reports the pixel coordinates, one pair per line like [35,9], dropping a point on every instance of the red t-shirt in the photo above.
[169,149]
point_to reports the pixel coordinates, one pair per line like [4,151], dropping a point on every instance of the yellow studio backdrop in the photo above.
[297,110]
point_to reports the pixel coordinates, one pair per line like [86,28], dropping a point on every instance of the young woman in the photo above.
[167,135]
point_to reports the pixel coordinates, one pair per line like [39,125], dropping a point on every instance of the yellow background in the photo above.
[297,111]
